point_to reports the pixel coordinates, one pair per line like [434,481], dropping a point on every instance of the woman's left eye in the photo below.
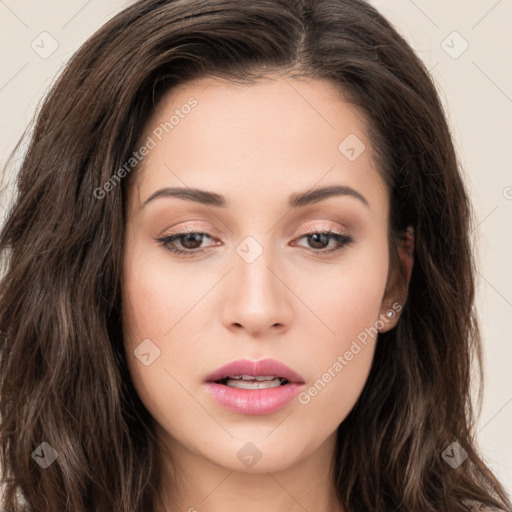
[192,242]
[324,237]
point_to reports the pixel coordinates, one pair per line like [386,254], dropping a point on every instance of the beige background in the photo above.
[475,85]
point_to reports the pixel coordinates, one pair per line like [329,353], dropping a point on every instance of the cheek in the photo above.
[347,299]
[164,308]
[156,295]
[153,303]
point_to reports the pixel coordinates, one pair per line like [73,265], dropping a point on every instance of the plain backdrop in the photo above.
[467,46]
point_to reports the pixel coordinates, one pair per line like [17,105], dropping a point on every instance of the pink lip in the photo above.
[261,367]
[255,401]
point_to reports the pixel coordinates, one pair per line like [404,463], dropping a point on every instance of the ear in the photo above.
[397,285]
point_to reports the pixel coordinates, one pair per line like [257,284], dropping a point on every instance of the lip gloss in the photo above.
[254,401]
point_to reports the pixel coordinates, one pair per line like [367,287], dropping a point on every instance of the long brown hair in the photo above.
[64,378]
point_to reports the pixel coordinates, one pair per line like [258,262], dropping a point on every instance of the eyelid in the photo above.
[189,228]
[319,228]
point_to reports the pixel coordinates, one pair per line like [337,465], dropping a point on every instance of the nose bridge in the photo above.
[255,256]
[256,299]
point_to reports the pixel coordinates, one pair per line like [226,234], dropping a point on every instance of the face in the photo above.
[270,270]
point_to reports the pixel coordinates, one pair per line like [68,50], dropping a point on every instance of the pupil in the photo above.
[192,238]
[316,236]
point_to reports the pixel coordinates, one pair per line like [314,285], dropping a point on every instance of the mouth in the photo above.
[248,374]
[254,387]
[252,382]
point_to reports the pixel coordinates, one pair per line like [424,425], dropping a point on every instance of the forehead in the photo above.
[273,134]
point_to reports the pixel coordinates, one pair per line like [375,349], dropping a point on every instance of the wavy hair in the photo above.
[64,377]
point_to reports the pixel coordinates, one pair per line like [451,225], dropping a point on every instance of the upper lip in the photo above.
[255,368]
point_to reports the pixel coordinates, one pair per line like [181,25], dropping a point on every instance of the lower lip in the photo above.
[254,401]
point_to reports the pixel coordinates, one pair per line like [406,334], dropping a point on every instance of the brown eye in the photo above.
[190,243]
[320,240]
[190,240]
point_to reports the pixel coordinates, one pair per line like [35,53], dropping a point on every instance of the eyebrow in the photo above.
[296,200]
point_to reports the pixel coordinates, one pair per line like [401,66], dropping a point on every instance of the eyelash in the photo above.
[342,240]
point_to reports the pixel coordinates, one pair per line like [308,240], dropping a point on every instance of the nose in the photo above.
[257,295]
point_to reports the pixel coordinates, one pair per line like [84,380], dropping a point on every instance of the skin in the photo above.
[256,145]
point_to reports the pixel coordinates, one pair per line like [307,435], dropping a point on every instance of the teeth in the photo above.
[252,377]
[254,383]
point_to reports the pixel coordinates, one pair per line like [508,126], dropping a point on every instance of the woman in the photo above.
[238,273]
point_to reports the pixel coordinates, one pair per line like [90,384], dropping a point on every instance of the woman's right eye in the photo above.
[185,239]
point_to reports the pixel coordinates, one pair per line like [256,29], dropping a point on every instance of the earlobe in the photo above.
[398,282]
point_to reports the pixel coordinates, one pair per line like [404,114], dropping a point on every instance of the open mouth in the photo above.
[253,387]
[252,382]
